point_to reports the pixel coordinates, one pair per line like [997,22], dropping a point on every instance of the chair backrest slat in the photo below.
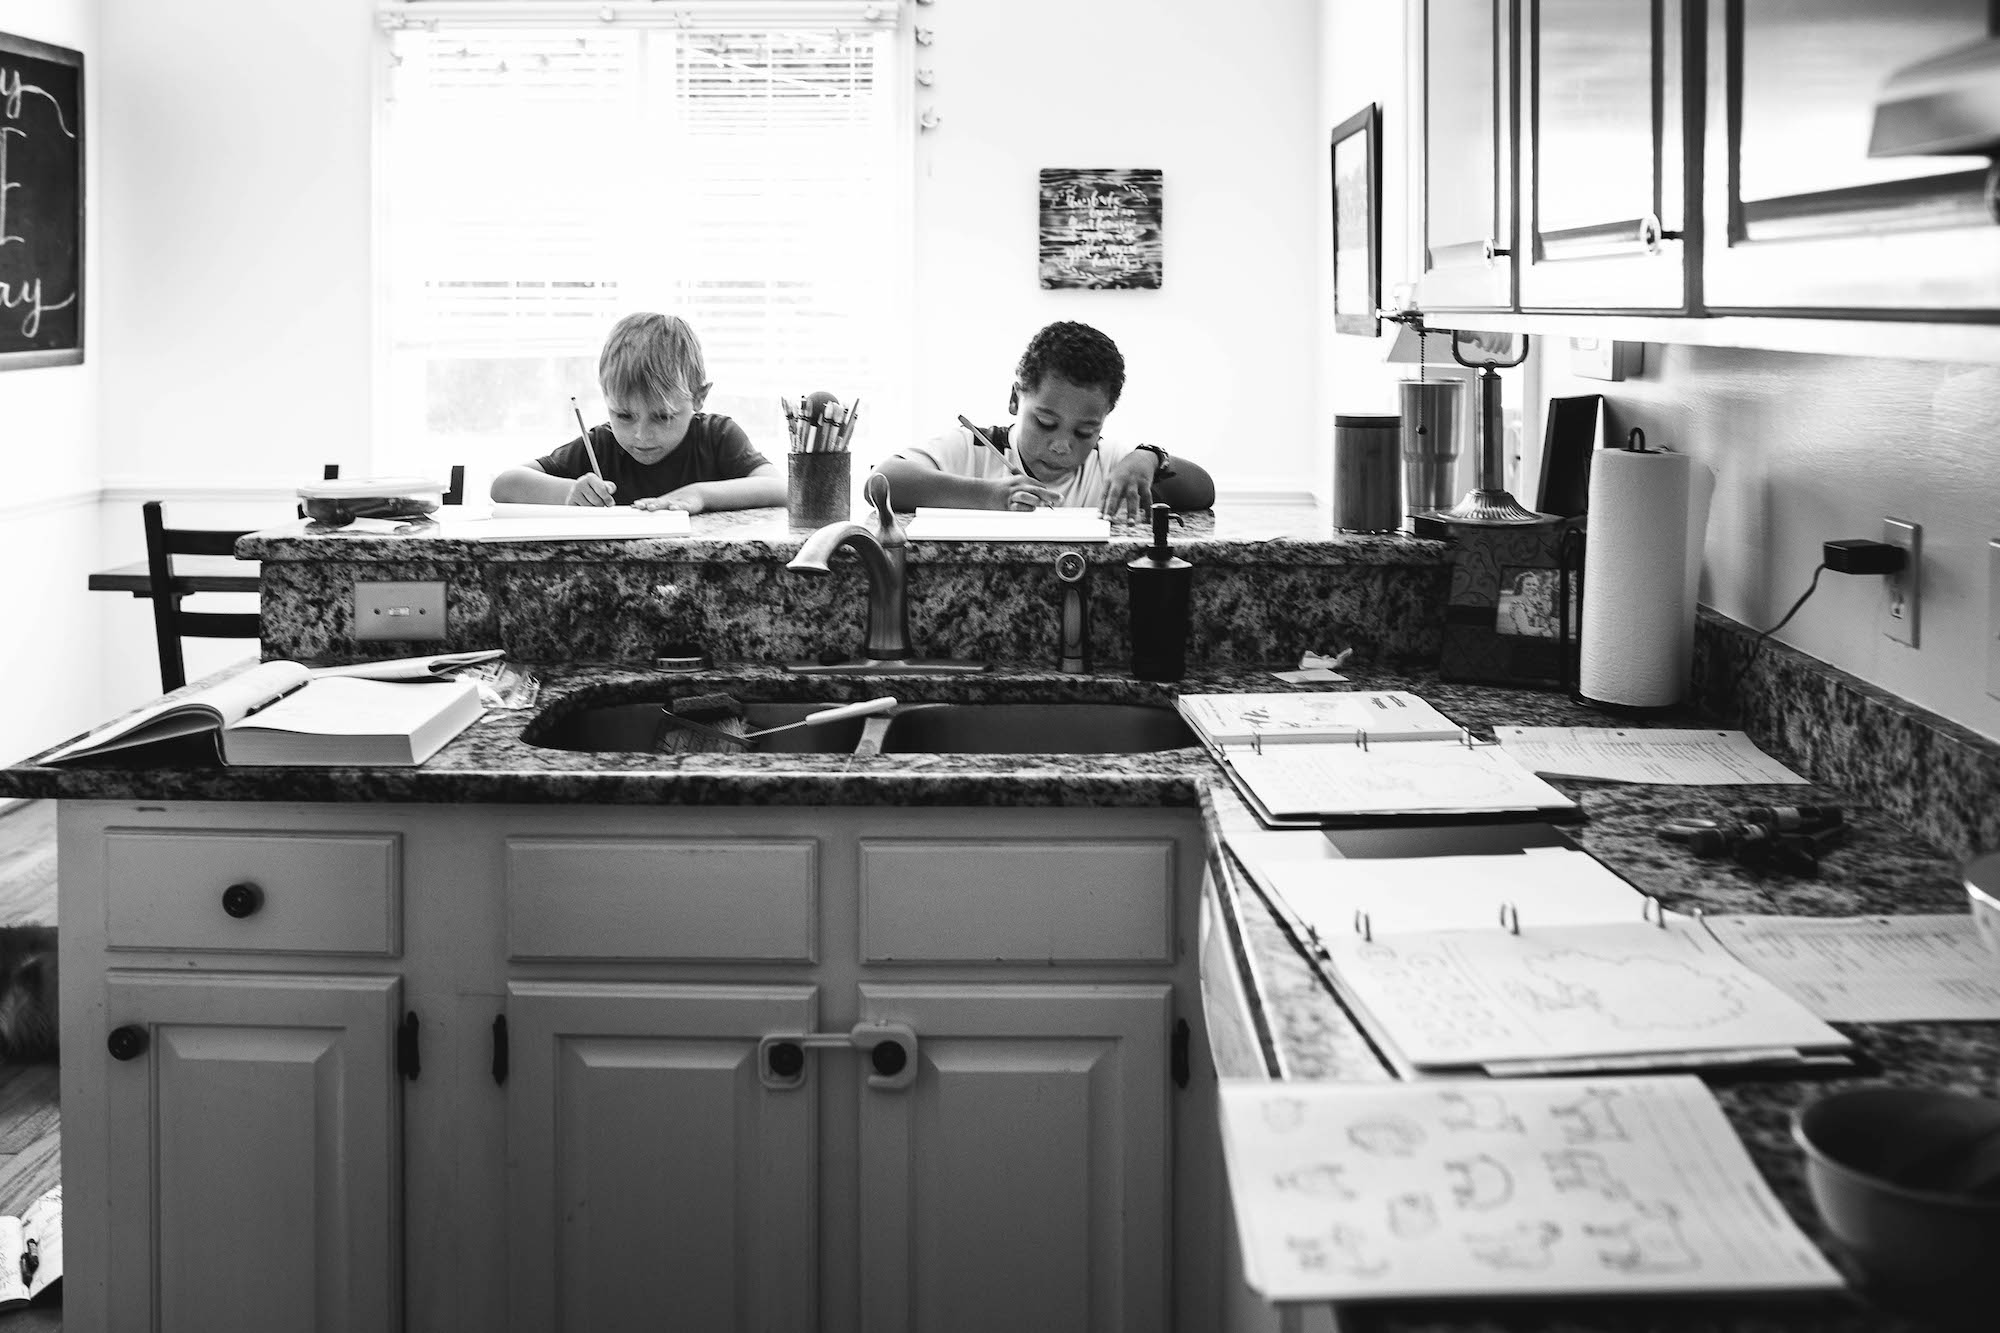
[170,623]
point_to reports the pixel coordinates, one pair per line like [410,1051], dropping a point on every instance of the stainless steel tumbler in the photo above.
[1433,411]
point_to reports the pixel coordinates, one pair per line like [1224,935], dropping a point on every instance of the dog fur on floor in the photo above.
[28,1023]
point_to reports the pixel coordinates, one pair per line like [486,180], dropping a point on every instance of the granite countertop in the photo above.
[1305,1033]
[1241,534]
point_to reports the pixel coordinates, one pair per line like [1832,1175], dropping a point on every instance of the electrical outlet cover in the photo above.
[1902,598]
[403,612]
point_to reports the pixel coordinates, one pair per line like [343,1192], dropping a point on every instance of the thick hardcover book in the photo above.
[282,713]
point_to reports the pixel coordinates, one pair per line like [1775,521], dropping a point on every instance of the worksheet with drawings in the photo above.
[1502,1187]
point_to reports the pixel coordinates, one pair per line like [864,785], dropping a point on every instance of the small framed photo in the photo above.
[1357,222]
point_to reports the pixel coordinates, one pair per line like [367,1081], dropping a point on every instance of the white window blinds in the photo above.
[545,171]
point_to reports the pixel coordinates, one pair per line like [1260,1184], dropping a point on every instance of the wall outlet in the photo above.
[405,612]
[1903,591]
[1993,617]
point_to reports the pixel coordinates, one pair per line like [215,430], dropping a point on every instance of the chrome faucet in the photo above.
[882,549]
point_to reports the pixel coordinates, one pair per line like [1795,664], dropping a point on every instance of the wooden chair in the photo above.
[170,623]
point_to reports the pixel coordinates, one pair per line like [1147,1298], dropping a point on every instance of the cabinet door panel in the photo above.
[253,1146]
[1468,212]
[650,1169]
[1603,190]
[1022,1180]
[1797,216]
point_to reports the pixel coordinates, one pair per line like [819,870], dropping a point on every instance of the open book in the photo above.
[31,1251]
[280,713]
[1556,999]
[1310,759]
[1598,1186]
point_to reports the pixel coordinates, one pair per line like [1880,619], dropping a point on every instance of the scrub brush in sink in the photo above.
[719,716]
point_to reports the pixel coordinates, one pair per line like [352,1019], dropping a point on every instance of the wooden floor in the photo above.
[30,1116]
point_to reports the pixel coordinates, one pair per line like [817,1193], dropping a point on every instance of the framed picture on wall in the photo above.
[1357,222]
[41,204]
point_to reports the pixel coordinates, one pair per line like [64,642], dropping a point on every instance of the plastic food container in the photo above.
[335,504]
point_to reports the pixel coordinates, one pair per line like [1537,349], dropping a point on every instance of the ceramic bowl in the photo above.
[1908,1182]
[1982,886]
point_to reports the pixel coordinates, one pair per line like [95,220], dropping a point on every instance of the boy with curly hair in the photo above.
[659,450]
[1066,384]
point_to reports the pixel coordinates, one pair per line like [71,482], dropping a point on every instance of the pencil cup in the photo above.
[819,488]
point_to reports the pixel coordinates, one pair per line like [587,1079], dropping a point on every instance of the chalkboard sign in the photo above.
[41,204]
[1100,228]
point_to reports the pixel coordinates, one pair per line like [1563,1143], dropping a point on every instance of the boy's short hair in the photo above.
[655,357]
[1078,353]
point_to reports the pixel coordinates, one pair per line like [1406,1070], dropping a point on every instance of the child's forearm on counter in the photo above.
[529,485]
[913,484]
[752,492]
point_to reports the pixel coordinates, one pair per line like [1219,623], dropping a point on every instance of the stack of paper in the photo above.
[1560,999]
[1871,969]
[1627,1186]
[1619,754]
[530,522]
[1008,525]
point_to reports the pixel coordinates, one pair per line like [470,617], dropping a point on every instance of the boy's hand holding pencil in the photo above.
[591,488]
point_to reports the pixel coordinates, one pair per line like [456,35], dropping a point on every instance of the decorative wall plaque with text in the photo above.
[41,204]
[1101,228]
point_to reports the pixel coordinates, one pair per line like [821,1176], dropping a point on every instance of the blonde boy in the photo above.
[659,450]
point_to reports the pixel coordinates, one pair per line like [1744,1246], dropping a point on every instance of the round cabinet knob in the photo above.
[127,1042]
[889,1058]
[1494,250]
[241,900]
[786,1058]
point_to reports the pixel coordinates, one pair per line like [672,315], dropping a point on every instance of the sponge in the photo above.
[720,711]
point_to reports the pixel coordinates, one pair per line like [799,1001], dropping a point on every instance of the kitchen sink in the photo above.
[643,728]
[1035,728]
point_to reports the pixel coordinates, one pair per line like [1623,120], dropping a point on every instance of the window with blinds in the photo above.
[542,179]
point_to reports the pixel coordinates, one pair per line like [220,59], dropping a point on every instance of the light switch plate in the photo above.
[1993,617]
[404,612]
[1903,592]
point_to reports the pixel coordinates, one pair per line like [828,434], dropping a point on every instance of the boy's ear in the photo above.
[1014,399]
[701,394]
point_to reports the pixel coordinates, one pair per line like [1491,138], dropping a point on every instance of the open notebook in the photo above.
[1599,1186]
[1310,758]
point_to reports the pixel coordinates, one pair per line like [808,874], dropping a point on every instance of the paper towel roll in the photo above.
[1641,568]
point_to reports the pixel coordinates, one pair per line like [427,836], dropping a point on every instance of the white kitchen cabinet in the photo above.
[1604,197]
[1022,1180]
[250,1141]
[651,1170]
[1799,219]
[1466,188]
[623,1151]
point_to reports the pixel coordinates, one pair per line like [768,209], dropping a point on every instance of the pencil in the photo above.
[590,452]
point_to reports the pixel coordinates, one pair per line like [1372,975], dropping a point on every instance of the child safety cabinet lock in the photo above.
[891,1049]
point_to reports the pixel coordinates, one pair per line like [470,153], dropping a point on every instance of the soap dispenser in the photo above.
[1159,585]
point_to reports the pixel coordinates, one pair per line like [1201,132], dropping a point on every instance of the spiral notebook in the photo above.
[1308,759]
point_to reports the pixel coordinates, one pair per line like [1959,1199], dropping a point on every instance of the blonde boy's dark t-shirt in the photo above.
[715,449]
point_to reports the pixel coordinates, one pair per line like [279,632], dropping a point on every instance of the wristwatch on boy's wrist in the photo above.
[1164,468]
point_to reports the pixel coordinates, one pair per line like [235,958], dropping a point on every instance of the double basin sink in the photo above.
[638,722]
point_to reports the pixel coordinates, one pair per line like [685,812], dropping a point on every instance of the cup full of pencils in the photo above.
[819,477]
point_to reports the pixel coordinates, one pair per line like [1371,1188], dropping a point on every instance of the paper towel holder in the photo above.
[1489,504]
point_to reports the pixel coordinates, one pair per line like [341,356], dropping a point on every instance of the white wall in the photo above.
[49,421]
[1221,360]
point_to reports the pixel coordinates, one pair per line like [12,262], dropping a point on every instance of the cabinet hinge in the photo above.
[500,1048]
[1179,1060]
[407,1063]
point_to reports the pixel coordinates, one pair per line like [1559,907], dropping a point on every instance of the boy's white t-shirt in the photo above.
[958,453]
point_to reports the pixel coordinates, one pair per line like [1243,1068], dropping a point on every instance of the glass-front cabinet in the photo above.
[1603,158]
[1799,218]
[1467,201]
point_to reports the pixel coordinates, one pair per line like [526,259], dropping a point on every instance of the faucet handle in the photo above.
[876,490]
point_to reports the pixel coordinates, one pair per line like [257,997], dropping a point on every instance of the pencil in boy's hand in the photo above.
[979,434]
[588,451]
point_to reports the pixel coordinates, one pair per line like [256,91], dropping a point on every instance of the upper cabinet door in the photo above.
[1799,219]
[1603,160]
[1468,150]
